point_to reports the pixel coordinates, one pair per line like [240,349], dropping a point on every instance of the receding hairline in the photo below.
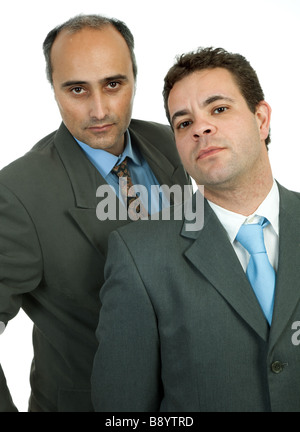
[65,32]
[92,21]
[73,31]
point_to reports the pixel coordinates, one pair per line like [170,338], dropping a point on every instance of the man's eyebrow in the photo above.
[207,102]
[180,113]
[113,78]
[216,98]
[101,81]
[71,83]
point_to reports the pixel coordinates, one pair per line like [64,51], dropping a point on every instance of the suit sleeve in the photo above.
[126,373]
[20,267]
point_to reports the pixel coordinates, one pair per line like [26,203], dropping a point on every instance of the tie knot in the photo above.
[121,170]
[251,236]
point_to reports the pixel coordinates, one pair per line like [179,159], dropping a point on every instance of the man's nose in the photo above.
[203,127]
[98,106]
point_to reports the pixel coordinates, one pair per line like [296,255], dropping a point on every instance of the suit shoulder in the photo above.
[297,194]
[39,148]
[44,143]
[149,231]
[144,127]
[31,164]
[287,193]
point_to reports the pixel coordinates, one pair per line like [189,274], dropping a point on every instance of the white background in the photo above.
[265,31]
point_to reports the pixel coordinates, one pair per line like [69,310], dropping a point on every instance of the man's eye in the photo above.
[220,110]
[184,124]
[113,85]
[78,90]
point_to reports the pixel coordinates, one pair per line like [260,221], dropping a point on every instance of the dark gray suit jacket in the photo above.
[52,254]
[182,330]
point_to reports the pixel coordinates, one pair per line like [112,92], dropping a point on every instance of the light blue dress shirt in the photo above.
[139,169]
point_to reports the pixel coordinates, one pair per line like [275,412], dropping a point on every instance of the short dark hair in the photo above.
[210,58]
[73,25]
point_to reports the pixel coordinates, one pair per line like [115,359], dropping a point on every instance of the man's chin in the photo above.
[106,145]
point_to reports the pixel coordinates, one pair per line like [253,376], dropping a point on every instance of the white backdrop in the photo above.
[265,31]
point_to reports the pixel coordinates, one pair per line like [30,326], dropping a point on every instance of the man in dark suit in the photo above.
[206,320]
[53,236]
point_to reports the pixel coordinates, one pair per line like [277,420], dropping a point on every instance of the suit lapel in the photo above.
[96,231]
[83,175]
[161,165]
[287,294]
[85,180]
[213,255]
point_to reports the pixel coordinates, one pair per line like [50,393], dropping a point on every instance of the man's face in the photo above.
[94,86]
[220,141]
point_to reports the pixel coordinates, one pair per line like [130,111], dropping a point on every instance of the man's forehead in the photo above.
[204,88]
[90,54]
[217,77]
[84,38]
[70,32]
[207,84]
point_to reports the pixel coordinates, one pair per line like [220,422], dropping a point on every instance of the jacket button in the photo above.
[277,367]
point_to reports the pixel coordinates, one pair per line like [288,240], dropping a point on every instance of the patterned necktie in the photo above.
[260,272]
[134,205]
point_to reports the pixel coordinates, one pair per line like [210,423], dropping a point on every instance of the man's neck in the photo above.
[243,198]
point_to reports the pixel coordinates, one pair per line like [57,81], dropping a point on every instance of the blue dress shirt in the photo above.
[139,169]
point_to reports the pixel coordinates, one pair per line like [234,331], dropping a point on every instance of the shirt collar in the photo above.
[105,161]
[269,209]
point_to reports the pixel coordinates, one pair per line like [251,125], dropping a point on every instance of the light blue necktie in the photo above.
[260,272]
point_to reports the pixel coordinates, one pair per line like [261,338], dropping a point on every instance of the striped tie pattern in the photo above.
[134,205]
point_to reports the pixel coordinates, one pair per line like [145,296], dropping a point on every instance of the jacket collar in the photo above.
[84,177]
[164,170]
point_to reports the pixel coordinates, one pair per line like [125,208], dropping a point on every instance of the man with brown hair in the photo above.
[216,326]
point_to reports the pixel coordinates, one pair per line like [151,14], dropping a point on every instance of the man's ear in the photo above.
[263,118]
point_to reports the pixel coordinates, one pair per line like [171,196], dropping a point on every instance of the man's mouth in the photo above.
[100,128]
[210,151]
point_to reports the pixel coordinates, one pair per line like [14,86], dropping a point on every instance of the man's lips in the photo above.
[101,128]
[210,151]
